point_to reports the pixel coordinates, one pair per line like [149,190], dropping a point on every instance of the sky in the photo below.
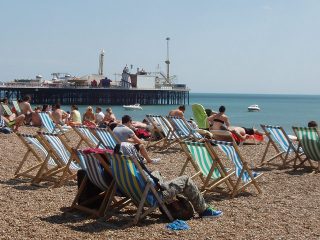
[216,46]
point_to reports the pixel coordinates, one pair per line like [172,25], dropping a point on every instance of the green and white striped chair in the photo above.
[309,140]
[245,176]
[106,138]
[134,183]
[16,106]
[62,153]
[285,148]
[6,110]
[51,127]
[211,170]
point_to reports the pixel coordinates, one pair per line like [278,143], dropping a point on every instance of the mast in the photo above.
[101,58]
[168,61]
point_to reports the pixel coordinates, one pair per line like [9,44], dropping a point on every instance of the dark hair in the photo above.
[99,109]
[312,124]
[222,109]
[112,125]
[75,107]
[182,108]
[126,119]
[44,107]
[26,98]
[58,106]
[208,112]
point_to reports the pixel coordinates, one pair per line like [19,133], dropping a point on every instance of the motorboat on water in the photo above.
[132,107]
[253,108]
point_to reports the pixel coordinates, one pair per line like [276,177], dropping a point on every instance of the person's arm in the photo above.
[136,139]
[29,108]
[227,121]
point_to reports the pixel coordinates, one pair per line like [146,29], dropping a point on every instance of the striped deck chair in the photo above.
[6,110]
[245,177]
[51,127]
[211,171]
[165,130]
[133,182]
[183,129]
[62,153]
[95,168]
[106,137]
[16,106]
[286,150]
[41,155]
[309,140]
[86,136]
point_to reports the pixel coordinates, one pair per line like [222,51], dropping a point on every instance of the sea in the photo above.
[276,109]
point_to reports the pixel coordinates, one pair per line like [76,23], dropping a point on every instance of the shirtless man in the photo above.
[59,116]
[26,108]
[178,112]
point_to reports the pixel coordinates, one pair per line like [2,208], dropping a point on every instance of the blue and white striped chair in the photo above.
[183,129]
[62,153]
[86,136]
[286,150]
[245,176]
[133,182]
[106,137]
[32,143]
[165,130]
[51,127]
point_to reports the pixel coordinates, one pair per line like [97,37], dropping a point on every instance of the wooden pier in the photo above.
[97,96]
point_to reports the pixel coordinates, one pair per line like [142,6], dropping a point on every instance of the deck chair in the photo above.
[35,148]
[211,171]
[165,130]
[309,140]
[106,138]
[133,182]
[286,150]
[86,136]
[6,110]
[16,106]
[62,153]
[51,127]
[200,116]
[245,177]
[95,168]
[183,129]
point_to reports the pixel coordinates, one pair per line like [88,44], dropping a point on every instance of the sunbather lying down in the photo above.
[246,133]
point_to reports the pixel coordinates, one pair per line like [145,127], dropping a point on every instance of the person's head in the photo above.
[58,106]
[26,98]
[222,109]
[74,107]
[89,109]
[45,107]
[109,110]
[5,100]
[126,119]
[182,108]
[98,109]
[312,124]
[208,112]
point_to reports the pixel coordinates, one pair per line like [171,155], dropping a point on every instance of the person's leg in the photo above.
[144,153]
[185,186]
[19,121]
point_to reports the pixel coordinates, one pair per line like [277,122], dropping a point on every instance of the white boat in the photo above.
[253,108]
[132,107]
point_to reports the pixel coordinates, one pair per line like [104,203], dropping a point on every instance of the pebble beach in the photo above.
[288,208]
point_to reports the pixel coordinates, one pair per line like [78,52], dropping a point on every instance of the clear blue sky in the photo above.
[228,46]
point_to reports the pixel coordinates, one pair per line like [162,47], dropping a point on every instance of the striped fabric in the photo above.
[183,129]
[85,131]
[47,122]
[202,157]
[60,149]
[129,179]
[35,142]
[16,106]
[6,109]
[105,137]
[309,140]
[164,124]
[93,169]
[279,137]
[2,122]
[229,150]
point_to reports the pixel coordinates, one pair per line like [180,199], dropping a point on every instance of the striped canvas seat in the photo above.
[309,140]
[51,127]
[211,171]
[16,106]
[242,171]
[87,136]
[61,152]
[164,129]
[6,109]
[285,148]
[34,147]
[133,182]
[106,137]
[183,129]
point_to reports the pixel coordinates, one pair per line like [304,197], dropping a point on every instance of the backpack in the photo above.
[180,208]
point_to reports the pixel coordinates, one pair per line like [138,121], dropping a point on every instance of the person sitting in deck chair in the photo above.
[125,134]
[182,185]
[178,112]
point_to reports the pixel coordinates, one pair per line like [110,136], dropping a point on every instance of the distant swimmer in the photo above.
[178,112]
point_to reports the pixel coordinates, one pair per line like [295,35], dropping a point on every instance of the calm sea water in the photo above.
[284,110]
